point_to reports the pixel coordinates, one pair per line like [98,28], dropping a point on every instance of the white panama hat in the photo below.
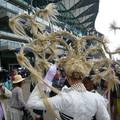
[18,78]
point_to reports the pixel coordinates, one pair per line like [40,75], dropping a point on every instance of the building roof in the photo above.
[76,13]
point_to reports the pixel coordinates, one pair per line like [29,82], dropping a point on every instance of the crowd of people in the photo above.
[79,98]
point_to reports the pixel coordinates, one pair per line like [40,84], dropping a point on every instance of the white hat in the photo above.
[18,78]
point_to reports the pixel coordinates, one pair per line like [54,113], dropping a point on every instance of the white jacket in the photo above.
[79,105]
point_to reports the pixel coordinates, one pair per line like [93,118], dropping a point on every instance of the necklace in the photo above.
[78,87]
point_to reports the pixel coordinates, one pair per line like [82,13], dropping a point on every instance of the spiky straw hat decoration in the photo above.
[76,53]
[49,13]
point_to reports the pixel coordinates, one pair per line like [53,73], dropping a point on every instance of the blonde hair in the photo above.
[76,68]
[75,75]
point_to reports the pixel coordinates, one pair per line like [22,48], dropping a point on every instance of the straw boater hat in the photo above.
[18,78]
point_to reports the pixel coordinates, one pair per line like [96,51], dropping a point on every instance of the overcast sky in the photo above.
[109,12]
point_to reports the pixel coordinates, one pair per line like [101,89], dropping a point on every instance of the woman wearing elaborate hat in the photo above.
[16,101]
[76,101]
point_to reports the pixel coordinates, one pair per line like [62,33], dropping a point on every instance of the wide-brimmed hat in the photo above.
[17,79]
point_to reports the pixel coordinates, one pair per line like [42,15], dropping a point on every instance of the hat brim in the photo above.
[14,82]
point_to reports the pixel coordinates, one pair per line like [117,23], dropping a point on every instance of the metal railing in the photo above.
[7,44]
[10,7]
[13,37]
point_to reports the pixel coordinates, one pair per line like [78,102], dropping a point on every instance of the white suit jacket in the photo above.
[79,105]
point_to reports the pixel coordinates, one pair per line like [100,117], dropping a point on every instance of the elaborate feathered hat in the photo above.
[75,56]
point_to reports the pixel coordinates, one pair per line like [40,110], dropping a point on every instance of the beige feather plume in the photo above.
[37,75]
[49,13]
[16,26]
